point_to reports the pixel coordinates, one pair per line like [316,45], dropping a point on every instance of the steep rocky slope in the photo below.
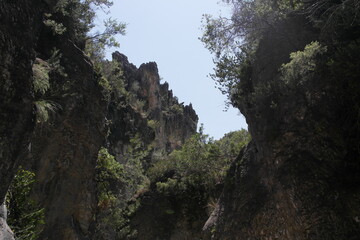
[19,32]
[90,133]
[158,114]
[65,151]
[298,178]
[146,122]
[57,111]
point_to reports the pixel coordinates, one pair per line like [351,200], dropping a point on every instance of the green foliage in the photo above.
[106,38]
[176,109]
[228,72]
[335,19]
[136,156]
[234,40]
[232,142]
[110,173]
[136,103]
[55,63]
[44,108]
[201,162]
[57,28]
[41,71]
[26,218]
[226,36]
[302,64]
[153,124]
[105,85]
[98,41]
[112,216]
[114,183]
[112,71]
[74,19]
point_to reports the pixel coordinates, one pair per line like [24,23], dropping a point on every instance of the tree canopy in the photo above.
[234,40]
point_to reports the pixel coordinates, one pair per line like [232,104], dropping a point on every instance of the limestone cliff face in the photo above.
[145,122]
[19,31]
[65,153]
[298,179]
[171,121]
[20,25]
[65,150]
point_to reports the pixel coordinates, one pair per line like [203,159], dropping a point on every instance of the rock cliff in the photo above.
[298,178]
[89,133]
[19,32]
[56,113]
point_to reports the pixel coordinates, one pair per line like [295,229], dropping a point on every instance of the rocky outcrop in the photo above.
[171,121]
[65,152]
[20,26]
[298,179]
[19,31]
[146,122]
[56,129]
[5,231]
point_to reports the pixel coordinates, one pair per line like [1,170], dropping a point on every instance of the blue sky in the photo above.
[167,32]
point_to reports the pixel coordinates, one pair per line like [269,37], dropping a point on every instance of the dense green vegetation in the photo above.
[197,169]
[25,216]
[201,162]
[130,166]
[113,211]
[234,41]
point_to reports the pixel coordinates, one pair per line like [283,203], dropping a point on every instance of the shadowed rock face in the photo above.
[298,179]
[19,31]
[65,153]
[66,157]
[20,24]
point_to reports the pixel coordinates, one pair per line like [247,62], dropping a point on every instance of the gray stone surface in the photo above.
[5,231]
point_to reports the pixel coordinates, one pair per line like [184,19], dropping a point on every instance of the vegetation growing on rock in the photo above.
[115,155]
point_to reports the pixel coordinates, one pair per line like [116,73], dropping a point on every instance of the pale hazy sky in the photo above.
[167,32]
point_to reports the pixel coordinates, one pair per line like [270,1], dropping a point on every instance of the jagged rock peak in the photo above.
[177,122]
[150,66]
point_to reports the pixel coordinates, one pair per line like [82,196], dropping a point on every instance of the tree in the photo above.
[26,218]
[234,40]
[200,161]
[75,20]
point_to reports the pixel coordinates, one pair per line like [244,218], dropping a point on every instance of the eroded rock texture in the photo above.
[298,179]
[19,31]
[171,216]
[175,122]
[5,231]
[65,153]
[20,25]
[66,150]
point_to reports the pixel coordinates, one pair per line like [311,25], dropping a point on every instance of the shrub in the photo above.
[26,217]
[302,64]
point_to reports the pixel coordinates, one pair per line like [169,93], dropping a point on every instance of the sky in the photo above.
[167,32]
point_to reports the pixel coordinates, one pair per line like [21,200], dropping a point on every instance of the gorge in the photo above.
[101,149]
